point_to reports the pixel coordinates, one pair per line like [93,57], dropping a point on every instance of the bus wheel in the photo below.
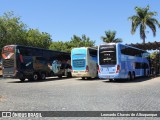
[111,80]
[148,74]
[133,76]
[43,76]
[22,79]
[83,78]
[129,77]
[69,74]
[35,76]
[88,78]
[60,76]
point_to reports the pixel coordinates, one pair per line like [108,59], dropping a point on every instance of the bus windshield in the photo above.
[107,54]
[79,60]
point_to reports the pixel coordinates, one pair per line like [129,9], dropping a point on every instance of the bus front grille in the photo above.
[8,63]
[79,63]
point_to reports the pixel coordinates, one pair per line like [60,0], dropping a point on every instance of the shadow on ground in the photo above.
[91,79]
[139,79]
[46,80]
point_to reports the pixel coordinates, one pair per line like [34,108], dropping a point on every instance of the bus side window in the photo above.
[92,52]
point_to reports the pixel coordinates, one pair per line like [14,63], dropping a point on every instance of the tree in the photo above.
[58,46]
[14,31]
[75,41]
[153,55]
[37,39]
[83,41]
[110,37]
[142,19]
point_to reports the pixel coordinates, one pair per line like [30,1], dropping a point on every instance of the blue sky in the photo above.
[64,18]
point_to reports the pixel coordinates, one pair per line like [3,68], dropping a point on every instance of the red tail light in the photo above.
[99,69]
[70,67]
[87,68]
[21,58]
[118,69]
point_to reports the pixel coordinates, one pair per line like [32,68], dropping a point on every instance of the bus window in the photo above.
[107,54]
[130,51]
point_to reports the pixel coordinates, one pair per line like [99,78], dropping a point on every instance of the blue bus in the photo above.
[84,62]
[118,61]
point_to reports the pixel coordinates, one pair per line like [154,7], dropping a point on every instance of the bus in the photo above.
[84,62]
[31,62]
[118,61]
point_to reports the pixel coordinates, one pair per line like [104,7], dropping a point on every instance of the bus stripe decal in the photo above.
[4,56]
[7,56]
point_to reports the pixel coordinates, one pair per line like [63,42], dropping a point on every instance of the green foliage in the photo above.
[81,41]
[110,37]
[144,18]
[60,46]
[153,55]
[37,39]
[75,41]
[13,31]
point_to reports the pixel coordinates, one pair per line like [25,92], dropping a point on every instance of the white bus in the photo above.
[84,62]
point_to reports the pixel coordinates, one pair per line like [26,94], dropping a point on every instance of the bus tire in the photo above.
[35,77]
[110,80]
[129,77]
[59,76]
[88,78]
[148,74]
[69,75]
[22,79]
[83,78]
[43,76]
[21,76]
[133,75]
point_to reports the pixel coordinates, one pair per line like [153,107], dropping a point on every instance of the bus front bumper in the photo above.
[105,76]
[12,75]
[80,74]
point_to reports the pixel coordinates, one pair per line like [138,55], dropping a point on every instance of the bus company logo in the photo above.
[9,48]
[6,114]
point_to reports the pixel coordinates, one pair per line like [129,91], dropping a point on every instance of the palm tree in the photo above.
[142,19]
[110,37]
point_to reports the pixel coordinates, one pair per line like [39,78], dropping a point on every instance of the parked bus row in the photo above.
[108,61]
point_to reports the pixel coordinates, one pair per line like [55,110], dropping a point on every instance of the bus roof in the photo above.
[123,45]
[37,48]
[85,47]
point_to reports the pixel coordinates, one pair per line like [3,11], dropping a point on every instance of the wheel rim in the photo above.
[129,76]
[43,76]
[133,76]
[35,77]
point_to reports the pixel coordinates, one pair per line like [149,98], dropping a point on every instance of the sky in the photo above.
[64,18]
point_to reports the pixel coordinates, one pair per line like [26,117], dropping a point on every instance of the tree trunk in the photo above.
[143,40]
